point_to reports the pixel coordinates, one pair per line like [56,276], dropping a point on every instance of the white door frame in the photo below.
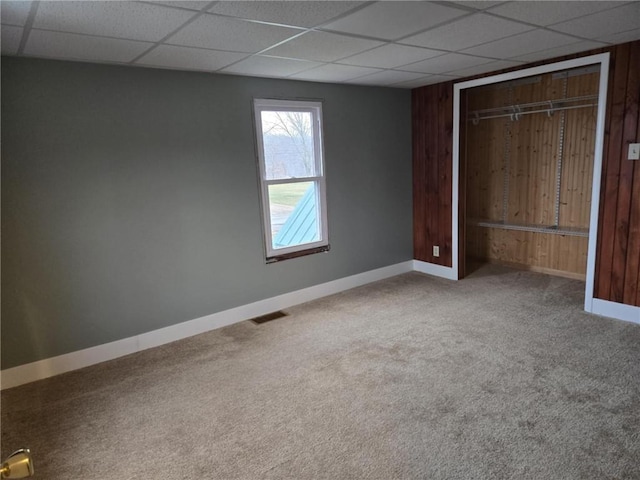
[603,60]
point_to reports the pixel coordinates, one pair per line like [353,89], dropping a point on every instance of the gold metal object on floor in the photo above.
[18,465]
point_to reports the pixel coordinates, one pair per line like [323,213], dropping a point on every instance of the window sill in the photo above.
[299,253]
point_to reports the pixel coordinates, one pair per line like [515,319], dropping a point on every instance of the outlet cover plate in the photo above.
[634,151]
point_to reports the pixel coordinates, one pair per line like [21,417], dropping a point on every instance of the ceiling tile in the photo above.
[334,73]
[301,14]
[622,37]
[215,36]
[390,56]
[136,21]
[322,47]
[559,51]
[82,47]
[223,33]
[604,23]
[259,65]
[11,37]
[547,13]
[522,44]
[393,20]
[446,63]
[487,67]
[478,4]
[183,4]
[433,79]
[411,83]
[428,80]
[189,58]
[14,13]
[467,32]
[387,77]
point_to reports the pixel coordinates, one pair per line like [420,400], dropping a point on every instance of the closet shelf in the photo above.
[549,107]
[553,229]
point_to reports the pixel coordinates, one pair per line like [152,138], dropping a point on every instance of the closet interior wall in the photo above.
[528,176]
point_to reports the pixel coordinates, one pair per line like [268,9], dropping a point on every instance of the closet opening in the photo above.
[528,150]
[527,163]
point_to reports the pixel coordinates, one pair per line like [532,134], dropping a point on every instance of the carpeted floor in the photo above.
[500,375]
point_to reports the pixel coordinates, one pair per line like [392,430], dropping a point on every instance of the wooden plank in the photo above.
[418,173]
[578,155]
[534,148]
[485,171]
[612,180]
[583,85]
[625,181]
[462,184]
[433,165]
[433,184]
[518,173]
[419,118]
[489,96]
[632,275]
[631,175]
[445,142]
[485,152]
[635,219]
[432,124]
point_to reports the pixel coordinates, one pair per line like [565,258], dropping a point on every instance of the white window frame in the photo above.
[315,108]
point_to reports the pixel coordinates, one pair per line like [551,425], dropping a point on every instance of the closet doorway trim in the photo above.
[601,59]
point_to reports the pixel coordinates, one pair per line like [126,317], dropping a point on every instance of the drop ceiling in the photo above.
[388,43]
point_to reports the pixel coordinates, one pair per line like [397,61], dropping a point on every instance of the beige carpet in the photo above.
[500,375]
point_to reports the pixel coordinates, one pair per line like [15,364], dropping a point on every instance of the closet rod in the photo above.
[515,114]
[544,103]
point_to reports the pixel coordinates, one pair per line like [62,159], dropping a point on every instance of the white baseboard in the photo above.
[619,311]
[436,270]
[13,377]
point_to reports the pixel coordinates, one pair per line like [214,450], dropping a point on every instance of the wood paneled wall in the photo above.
[432,172]
[618,257]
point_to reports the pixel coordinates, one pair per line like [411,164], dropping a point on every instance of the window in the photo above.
[292,182]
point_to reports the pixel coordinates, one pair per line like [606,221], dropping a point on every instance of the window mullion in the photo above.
[282,181]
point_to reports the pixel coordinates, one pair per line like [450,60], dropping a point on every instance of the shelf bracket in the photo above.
[516,113]
[551,110]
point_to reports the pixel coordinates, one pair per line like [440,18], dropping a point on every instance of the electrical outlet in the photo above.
[436,251]
[634,151]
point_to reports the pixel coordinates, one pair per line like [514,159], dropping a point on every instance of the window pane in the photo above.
[294,214]
[288,145]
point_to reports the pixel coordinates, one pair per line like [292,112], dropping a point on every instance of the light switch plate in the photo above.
[634,151]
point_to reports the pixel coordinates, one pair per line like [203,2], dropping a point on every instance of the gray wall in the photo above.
[130,198]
